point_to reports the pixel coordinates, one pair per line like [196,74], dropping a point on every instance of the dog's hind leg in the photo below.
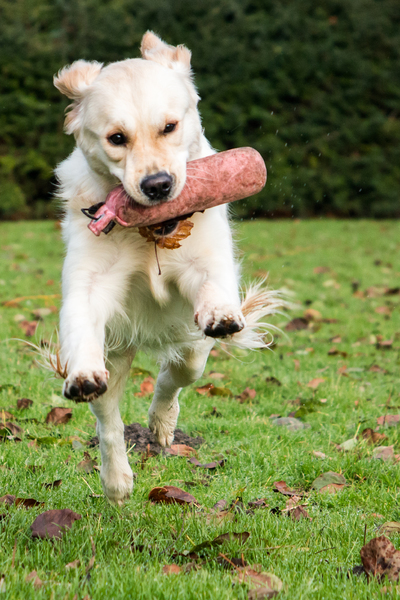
[115,473]
[173,376]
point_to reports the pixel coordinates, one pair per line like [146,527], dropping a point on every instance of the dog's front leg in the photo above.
[93,286]
[115,473]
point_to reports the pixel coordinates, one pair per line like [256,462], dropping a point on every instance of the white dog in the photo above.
[136,123]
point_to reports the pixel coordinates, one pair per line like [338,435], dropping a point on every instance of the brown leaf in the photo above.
[315,383]
[59,415]
[312,315]
[12,428]
[377,369]
[5,415]
[52,523]
[211,465]
[384,344]
[335,352]
[273,381]
[372,437]
[319,454]
[204,389]
[296,364]
[254,577]
[321,270]
[23,403]
[390,420]
[33,577]
[87,464]
[260,503]
[331,488]
[379,558]
[7,499]
[215,375]
[154,233]
[73,565]
[383,310]
[282,487]
[53,484]
[25,502]
[390,527]
[298,512]
[171,569]
[146,387]
[383,452]
[180,450]
[247,394]
[169,494]
[297,324]
[29,327]
[220,505]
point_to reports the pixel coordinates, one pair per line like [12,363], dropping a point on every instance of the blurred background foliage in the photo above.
[314,86]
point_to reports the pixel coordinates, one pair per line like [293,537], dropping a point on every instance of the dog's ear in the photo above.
[172,57]
[73,81]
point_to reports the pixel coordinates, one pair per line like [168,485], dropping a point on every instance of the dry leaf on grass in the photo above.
[383,453]
[146,387]
[23,403]
[282,487]
[315,383]
[59,415]
[247,394]
[73,565]
[329,482]
[53,484]
[171,569]
[53,523]
[212,465]
[372,437]
[253,576]
[180,450]
[319,454]
[29,327]
[25,502]
[9,427]
[390,420]
[33,577]
[169,494]
[260,503]
[380,558]
[297,324]
[87,464]
[389,527]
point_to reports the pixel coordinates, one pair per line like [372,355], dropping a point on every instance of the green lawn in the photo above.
[311,558]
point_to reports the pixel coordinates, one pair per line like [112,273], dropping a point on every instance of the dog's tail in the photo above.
[259,303]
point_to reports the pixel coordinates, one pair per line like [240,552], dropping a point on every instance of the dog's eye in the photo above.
[169,127]
[117,139]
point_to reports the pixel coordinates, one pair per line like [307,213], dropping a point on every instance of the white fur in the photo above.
[114,300]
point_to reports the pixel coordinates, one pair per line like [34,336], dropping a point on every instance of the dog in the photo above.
[136,123]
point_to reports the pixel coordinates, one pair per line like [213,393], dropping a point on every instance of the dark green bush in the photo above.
[314,86]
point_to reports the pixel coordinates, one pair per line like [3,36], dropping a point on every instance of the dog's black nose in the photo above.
[157,187]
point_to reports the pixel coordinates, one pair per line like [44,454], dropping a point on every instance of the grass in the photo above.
[311,558]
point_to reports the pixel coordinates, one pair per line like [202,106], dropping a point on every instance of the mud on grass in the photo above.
[345,274]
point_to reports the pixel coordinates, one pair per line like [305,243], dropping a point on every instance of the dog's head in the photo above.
[136,120]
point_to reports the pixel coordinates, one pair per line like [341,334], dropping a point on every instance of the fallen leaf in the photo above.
[390,420]
[169,494]
[211,465]
[297,513]
[282,487]
[390,589]
[389,527]
[146,387]
[219,391]
[221,539]
[215,375]
[33,577]
[25,502]
[326,479]
[315,383]
[154,233]
[247,394]
[349,444]
[53,523]
[23,403]
[254,577]
[5,415]
[321,270]
[41,313]
[383,310]
[59,415]
[384,344]
[9,427]
[73,565]
[383,453]
[335,352]
[180,450]
[204,389]
[296,364]
[291,423]
[319,454]
[377,369]
[273,381]
[220,505]
[312,315]
[29,327]
[372,437]
[171,569]
[297,324]
[53,484]
[379,558]
[87,464]
[331,488]
[260,503]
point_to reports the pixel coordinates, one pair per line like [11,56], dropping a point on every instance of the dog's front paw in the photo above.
[220,322]
[162,422]
[85,386]
[117,483]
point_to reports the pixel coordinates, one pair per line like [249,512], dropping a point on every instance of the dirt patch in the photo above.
[142,437]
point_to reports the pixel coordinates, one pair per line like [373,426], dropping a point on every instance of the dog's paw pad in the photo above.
[83,387]
[220,322]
